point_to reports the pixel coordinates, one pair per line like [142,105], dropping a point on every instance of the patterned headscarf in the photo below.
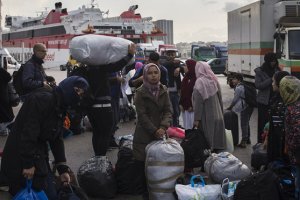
[153,88]
[206,83]
[289,89]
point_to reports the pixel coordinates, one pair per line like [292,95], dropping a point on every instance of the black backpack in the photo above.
[17,80]
[260,186]
[250,95]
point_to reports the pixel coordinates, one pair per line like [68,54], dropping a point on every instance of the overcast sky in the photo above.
[194,20]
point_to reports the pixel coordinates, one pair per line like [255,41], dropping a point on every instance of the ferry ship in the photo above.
[59,26]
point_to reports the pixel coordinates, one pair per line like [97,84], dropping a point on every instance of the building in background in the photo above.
[166,26]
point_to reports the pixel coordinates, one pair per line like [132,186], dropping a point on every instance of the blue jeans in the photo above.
[174,98]
[245,118]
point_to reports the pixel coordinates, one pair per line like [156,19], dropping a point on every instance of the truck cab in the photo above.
[165,49]
[202,53]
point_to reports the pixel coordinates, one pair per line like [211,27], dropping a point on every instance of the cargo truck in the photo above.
[261,27]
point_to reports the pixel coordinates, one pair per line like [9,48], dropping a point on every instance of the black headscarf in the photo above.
[66,89]
[266,67]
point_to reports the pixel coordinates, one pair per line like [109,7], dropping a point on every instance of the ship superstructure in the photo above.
[56,28]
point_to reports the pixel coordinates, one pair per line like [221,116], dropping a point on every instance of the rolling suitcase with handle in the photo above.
[232,123]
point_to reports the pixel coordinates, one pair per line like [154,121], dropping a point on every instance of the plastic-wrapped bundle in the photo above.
[225,165]
[99,49]
[164,164]
[96,178]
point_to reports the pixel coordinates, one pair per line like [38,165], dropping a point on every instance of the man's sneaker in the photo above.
[249,141]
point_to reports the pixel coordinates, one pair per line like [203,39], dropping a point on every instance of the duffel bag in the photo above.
[225,165]
[164,164]
[95,176]
[98,49]
[259,186]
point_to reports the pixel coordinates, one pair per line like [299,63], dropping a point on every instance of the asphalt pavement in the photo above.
[79,148]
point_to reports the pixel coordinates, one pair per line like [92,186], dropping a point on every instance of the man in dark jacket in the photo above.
[174,84]
[6,112]
[39,123]
[263,83]
[137,80]
[99,110]
[33,75]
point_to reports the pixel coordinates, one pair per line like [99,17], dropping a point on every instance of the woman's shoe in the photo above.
[243,144]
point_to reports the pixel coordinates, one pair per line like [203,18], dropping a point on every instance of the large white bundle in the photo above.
[225,165]
[164,164]
[98,49]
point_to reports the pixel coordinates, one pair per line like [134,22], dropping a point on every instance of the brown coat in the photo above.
[152,114]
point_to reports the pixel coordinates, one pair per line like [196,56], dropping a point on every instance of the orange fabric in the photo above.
[67,122]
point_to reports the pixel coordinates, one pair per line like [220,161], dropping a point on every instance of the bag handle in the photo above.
[192,181]
[29,184]
[225,181]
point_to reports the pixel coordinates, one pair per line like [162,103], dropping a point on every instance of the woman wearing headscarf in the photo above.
[290,93]
[208,106]
[39,123]
[154,114]
[276,134]
[263,82]
[186,92]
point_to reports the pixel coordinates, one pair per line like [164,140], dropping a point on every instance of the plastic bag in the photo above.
[229,141]
[99,49]
[198,191]
[29,194]
[95,176]
[228,189]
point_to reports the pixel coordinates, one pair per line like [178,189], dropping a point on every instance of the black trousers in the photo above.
[101,120]
[262,119]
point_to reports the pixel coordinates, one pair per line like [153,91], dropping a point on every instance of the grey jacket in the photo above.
[264,85]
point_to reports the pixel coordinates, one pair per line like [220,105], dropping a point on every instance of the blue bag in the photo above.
[29,194]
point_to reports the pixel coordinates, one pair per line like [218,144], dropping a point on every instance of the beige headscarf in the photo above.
[207,82]
[289,89]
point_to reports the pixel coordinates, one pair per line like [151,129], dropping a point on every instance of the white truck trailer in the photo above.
[261,27]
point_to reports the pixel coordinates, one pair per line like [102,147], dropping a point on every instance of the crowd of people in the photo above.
[162,92]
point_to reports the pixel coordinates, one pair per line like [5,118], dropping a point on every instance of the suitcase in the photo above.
[232,123]
[259,157]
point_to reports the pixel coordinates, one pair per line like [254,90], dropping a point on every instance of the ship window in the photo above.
[107,27]
[129,27]
[57,30]
[21,35]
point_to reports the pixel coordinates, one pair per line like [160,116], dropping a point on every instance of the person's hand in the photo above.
[46,85]
[65,178]
[190,109]
[121,79]
[181,108]
[229,108]
[160,133]
[196,124]
[28,173]
[131,48]
[176,72]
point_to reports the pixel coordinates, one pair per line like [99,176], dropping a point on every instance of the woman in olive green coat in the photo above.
[153,108]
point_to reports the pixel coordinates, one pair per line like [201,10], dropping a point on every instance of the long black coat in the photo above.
[40,120]
[6,112]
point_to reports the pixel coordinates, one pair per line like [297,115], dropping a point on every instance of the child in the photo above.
[154,115]
[239,105]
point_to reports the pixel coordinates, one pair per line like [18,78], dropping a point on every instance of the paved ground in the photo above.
[79,148]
